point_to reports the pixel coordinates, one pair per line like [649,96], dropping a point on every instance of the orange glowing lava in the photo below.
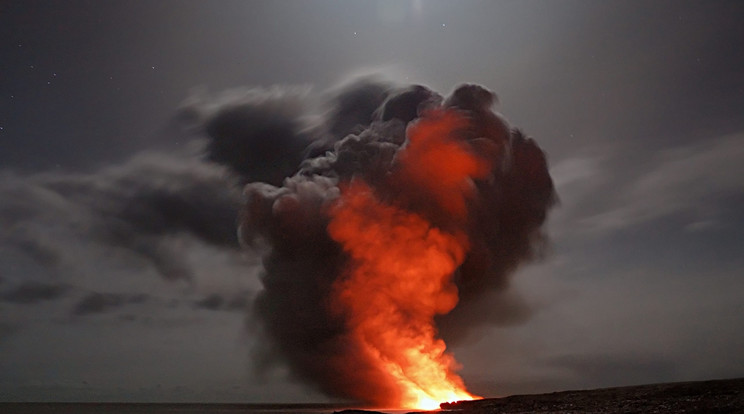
[402,265]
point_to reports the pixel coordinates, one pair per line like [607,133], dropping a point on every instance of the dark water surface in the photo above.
[144,408]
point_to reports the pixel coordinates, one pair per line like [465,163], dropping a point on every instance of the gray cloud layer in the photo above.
[102,233]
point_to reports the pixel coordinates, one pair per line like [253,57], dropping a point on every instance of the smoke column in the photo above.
[407,211]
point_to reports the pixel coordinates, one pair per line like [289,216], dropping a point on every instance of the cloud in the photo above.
[257,133]
[32,292]
[94,303]
[696,184]
[137,209]
[217,302]
[116,258]
[130,240]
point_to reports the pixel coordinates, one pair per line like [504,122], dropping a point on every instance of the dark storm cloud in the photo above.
[33,292]
[137,208]
[304,261]
[94,303]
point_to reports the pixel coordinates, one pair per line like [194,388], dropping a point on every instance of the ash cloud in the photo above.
[257,133]
[359,138]
[350,108]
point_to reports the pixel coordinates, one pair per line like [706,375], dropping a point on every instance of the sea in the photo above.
[178,408]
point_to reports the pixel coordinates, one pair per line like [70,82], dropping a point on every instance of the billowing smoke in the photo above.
[386,168]
[255,132]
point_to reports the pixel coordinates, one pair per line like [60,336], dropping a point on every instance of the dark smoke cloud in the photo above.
[360,137]
[351,108]
[257,133]
[94,303]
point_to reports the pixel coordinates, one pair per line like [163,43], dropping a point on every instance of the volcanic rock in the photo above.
[717,396]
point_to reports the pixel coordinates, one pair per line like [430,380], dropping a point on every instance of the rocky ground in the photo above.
[719,396]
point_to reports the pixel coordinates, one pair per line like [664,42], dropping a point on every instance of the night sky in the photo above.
[120,274]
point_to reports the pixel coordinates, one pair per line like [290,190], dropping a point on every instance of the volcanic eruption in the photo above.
[406,211]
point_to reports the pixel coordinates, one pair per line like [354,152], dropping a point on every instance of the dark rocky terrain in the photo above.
[715,397]
[719,396]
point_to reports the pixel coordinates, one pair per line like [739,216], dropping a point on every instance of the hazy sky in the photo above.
[638,105]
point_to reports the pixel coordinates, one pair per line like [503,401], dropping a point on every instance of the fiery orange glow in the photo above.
[439,163]
[402,265]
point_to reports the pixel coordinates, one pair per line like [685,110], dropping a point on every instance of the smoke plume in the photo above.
[407,211]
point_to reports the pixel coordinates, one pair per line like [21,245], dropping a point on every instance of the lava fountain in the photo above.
[402,262]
